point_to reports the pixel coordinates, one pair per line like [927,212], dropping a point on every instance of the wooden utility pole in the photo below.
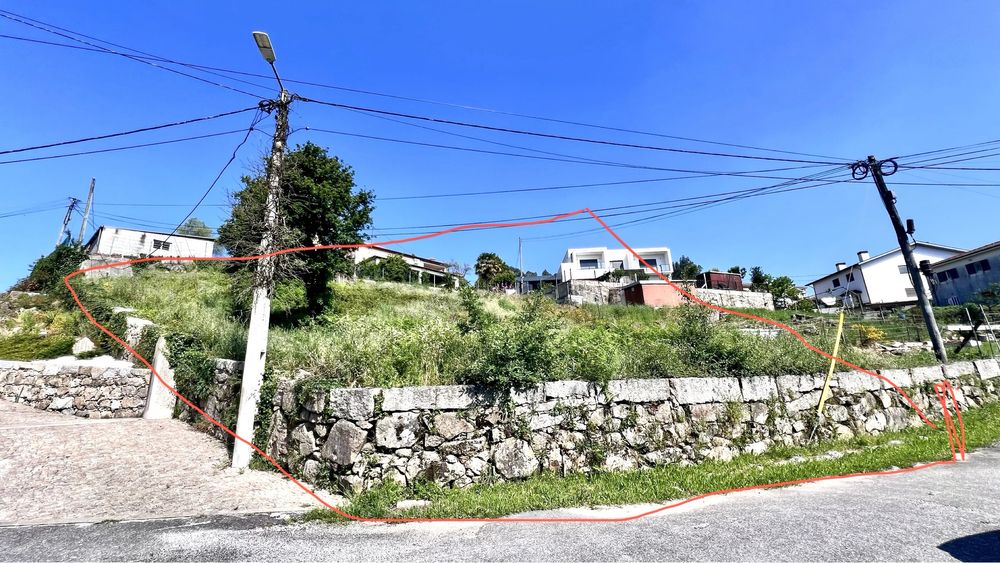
[69,213]
[875,167]
[263,283]
[86,211]
[520,266]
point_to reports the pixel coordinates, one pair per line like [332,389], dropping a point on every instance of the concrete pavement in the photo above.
[941,513]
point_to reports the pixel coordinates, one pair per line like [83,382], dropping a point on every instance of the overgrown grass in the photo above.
[386,334]
[547,491]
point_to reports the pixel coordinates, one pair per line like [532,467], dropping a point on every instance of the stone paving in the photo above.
[58,468]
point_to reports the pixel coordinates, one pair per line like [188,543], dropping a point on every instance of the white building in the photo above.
[592,263]
[877,280]
[132,243]
[423,269]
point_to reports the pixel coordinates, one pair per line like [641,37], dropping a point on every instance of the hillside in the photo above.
[388,334]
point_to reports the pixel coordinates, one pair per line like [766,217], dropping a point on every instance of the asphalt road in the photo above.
[941,513]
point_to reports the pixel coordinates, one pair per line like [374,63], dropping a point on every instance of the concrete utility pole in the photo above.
[875,167]
[263,285]
[69,213]
[86,211]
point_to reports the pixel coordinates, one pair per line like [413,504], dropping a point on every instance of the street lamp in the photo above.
[267,51]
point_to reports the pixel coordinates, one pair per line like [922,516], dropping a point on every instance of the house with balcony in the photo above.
[594,263]
[423,269]
[956,280]
[882,280]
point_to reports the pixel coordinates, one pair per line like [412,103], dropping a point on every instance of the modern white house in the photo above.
[426,270]
[877,280]
[133,243]
[592,263]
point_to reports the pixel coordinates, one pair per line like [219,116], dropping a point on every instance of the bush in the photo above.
[25,346]
[47,272]
[517,351]
[869,335]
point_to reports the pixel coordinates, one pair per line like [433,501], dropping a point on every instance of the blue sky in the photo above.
[844,80]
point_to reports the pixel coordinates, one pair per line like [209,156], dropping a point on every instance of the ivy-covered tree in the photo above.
[319,205]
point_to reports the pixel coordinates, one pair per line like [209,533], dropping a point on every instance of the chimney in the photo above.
[862,255]
[841,266]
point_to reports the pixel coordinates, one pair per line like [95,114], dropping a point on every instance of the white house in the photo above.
[592,263]
[877,280]
[132,243]
[422,268]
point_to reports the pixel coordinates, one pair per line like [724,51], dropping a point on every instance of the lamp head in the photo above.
[264,45]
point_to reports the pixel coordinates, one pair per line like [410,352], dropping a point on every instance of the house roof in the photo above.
[93,238]
[391,251]
[883,255]
[984,248]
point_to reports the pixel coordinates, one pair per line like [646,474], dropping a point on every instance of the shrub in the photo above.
[47,272]
[517,351]
[26,346]
[869,335]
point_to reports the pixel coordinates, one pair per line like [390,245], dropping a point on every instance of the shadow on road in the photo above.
[977,547]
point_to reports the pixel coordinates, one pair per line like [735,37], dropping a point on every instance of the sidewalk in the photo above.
[57,468]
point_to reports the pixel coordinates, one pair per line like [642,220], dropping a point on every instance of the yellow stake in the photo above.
[836,349]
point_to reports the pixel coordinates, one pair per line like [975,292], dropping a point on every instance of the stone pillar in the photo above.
[159,400]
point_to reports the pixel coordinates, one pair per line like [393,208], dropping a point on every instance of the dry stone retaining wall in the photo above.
[459,435]
[85,389]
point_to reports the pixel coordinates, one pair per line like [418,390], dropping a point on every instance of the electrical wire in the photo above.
[216,70]
[144,60]
[117,149]
[565,137]
[130,132]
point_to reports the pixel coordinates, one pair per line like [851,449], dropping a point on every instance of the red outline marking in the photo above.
[945,386]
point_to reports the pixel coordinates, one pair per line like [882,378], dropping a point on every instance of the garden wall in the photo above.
[82,388]
[459,435]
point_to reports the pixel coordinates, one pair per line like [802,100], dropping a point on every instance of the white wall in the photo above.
[884,281]
[570,268]
[129,243]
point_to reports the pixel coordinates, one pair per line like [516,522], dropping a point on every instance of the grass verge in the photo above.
[669,482]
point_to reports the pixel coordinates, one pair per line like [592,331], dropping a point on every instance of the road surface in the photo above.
[941,513]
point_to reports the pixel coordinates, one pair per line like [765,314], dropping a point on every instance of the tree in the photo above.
[685,269]
[194,227]
[759,281]
[319,205]
[738,270]
[546,273]
[488,267]
[48,272]
[783,290]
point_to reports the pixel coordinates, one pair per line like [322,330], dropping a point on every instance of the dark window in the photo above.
[850,277]
[589,264]
[953,274]
[984,265]
[836,282]
[160,244]
[651,261]
[942,276]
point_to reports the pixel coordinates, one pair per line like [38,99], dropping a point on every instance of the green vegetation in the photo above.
[391,334]
[47,272]
[34,347]
[668,482]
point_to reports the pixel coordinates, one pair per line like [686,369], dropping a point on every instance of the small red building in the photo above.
[719,280]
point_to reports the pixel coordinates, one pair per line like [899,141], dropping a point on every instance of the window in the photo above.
[910,292]
[617,265]
[903,270]
[160,244]
[850,277]
[976,267]
[942,276]
[953,274]
[650,261]
[836,282]
[589,264]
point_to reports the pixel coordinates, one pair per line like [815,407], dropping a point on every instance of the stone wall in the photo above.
[223,402]
[459,435]
[736,299]
[82,388]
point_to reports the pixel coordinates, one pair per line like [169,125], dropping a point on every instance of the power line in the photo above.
[144,60]
[258,117]
[565,137]
[129,132]
[32,210]
[216,70]
[117,149]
